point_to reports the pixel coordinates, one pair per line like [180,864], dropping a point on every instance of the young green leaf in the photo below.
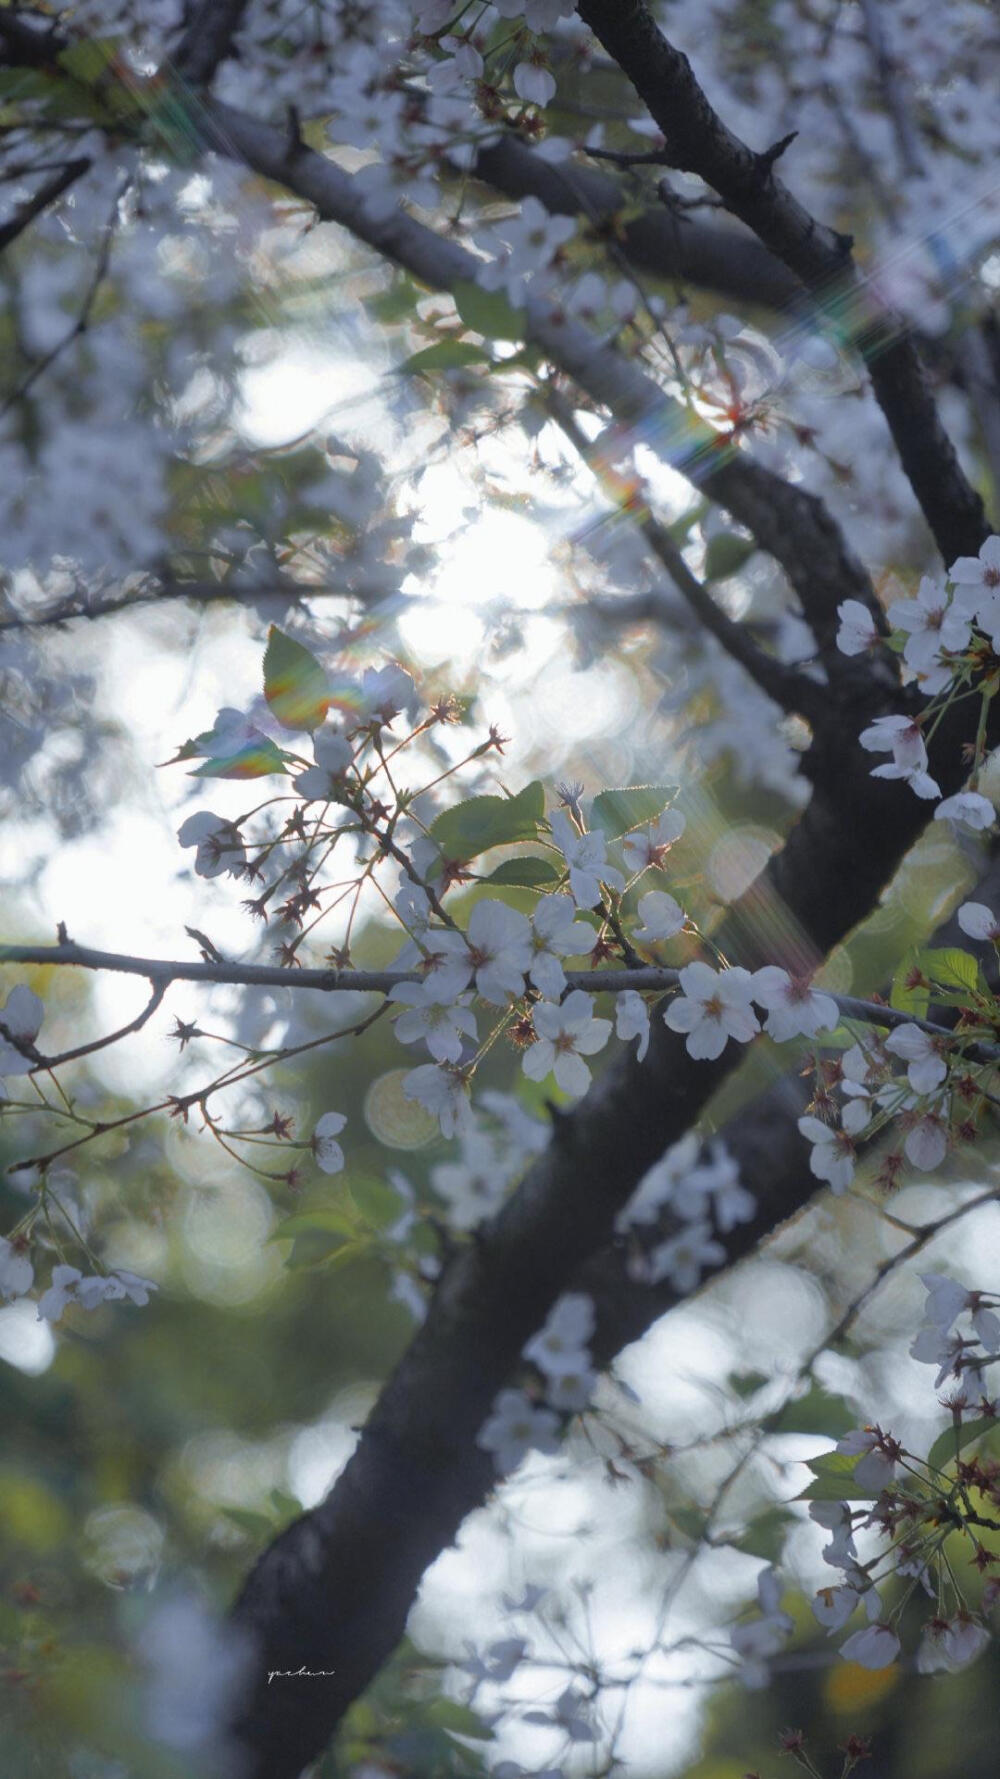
[295,685]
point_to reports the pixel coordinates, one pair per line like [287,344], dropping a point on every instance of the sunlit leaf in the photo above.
[527,873]
[474,826]
[619,811]
[295,684]
[488,311]
[444,355]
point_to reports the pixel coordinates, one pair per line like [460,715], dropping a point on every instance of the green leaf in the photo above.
[444,355]
[906,999]
[295,685]
[765,1536]
[618,812]
[339,1219]
[726,554]
[456,1719]
[834,1479]
[256,760]
[256,1525]
[481,822]
[954,1440]
[527,873]
[378,1203]
[951,967]
[488,311]
[815,1412]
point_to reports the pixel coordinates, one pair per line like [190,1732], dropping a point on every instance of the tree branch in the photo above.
[661,241]
[698,141]
[47,193]
[199,592]
[207,38]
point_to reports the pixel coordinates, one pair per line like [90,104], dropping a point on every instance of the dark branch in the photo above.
[699,142]
[47,193]
[207,38]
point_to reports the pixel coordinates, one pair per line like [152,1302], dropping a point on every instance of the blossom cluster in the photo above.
[948,635]
[521,1421]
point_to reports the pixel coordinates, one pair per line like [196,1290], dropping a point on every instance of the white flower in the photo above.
[835,1517]
[979,921]
[834,1606]
[901,737]
[533,83]
[951,1644]
[661,917]
[874,1469]
[632,1020]
[446,962]
[20,1023]
[657,1187]
[566,1034]
[975,811]
[977,579]
[932,622]
[713,1008]
[522,245]
[385,692]
[556,934]
[946,1300]
[926,1143]
[500,944]
[573,1390]
[793,1008]
[16,1271]
[718,1179]
[329,1155]
[515,1428]
[649,846]
[443,1093]
[326,780]
[220,844]
[857,631]
[874,1647]
[497,1663]
[685,1256]
[63,1287]
[926,1066]
[561,1346]
[584,855]
[441,1027]
[832,1156]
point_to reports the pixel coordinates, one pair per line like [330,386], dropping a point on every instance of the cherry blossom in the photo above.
[69,1286]
[714,1007]
[441,1027]
[970,808]
[685,1257]
[947,1300]
[329,1155]
[979,922]
[533,83]
[517,1427]
[977,580]
[566,1034]
[832,1155]
[836,1517]
[20,1023]
[793,1008]
[572,1390]
[857,633]
[442,1092]
[326,780]
[950,1644]
[661,917]
[561,1345]
[501,947]
[219,844]
[16,1271]
[932,622]
[520,246]
[901,737]
[556,933]
[876,1466]
[585,857]
[658,1186]
[877,1646]
[632,1020]
[648,847]
[926,1067]
[385,691]
[926,1142]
